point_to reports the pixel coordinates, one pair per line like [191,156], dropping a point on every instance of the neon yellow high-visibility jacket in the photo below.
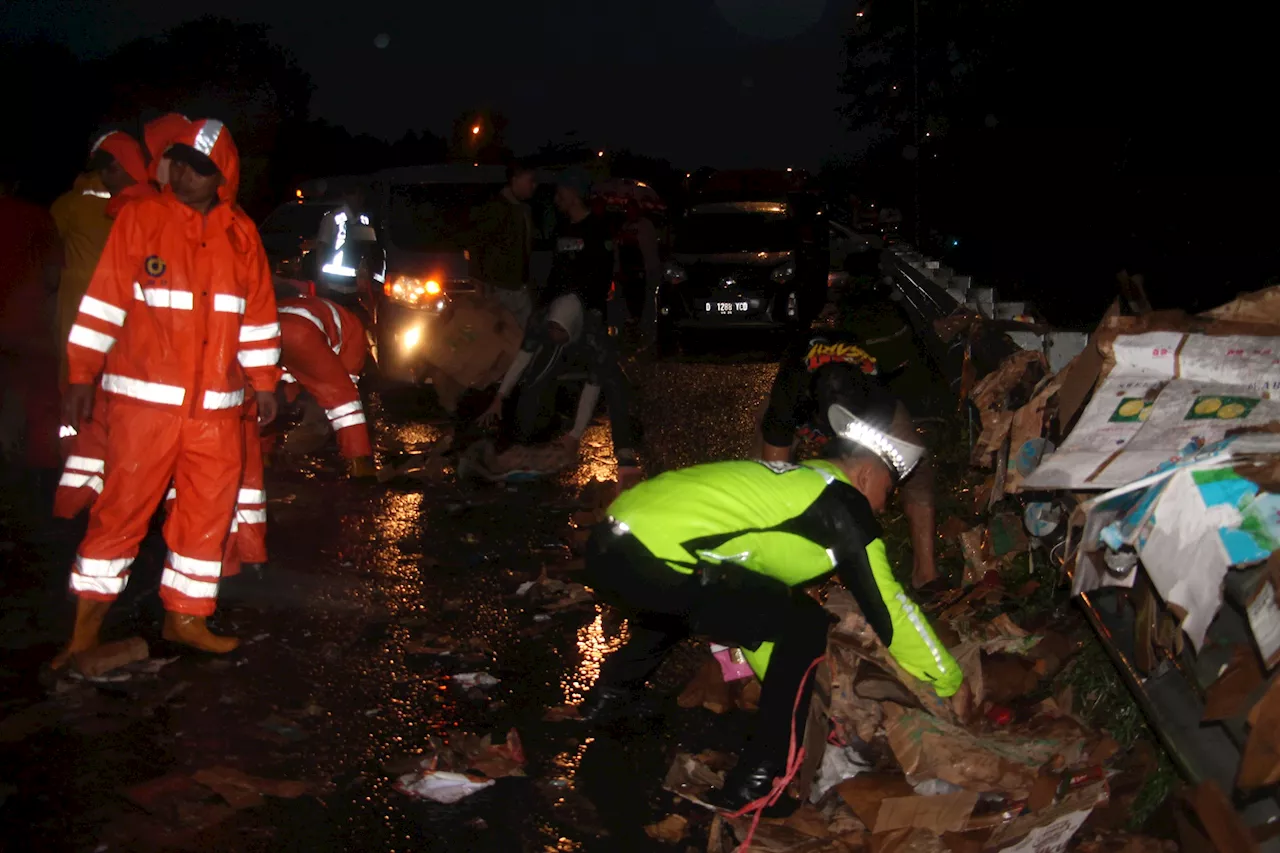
[795,523]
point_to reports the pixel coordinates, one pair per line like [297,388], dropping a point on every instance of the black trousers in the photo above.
[735,607]
[530,415]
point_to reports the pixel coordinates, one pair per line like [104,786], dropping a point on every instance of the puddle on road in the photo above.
[594,644]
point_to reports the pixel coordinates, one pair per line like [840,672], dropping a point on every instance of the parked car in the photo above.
[746,264]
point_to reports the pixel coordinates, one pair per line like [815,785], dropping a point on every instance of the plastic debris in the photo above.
[474,679]
[453,769]
[442,786]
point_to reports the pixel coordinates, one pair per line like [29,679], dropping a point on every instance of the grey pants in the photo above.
[518,302]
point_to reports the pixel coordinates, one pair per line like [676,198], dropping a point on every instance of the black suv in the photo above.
[750,264]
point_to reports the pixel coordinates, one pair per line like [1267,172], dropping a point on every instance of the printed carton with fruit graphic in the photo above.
[1222,408]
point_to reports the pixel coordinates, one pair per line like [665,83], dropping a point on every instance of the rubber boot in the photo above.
[606,705]
[192,631]
[363,468]
[744,785]
[84,636]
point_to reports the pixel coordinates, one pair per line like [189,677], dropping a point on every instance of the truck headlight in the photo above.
[412,290]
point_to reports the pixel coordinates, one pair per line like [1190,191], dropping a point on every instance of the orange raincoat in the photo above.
[180,312]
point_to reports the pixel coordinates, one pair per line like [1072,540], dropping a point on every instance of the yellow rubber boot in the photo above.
[84,636]
[362,467]
[192,631]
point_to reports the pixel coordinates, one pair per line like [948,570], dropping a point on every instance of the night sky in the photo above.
[730,82]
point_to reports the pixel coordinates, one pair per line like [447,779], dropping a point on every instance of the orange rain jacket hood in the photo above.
[159,134]
[128,153]
[181,310]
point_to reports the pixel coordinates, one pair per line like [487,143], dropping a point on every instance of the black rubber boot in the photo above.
[605,705]
[744,785]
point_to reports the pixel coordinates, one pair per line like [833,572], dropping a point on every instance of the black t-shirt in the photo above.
[583,263]
[793,403]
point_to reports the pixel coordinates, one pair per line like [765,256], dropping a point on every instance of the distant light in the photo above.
[955,242]
[860,14]
[927,133]
[475,164]
[599,153]
[475,130]
[788,168]
[688,174]
[298,193]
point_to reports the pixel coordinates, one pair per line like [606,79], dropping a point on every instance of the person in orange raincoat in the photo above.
[180,311]
[323,348]
[82,477]
[86,448]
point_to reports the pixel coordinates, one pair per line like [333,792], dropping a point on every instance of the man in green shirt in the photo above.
[725,550]
[501,242]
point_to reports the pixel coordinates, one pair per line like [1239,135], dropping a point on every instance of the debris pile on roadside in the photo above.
[888,766]
[1146,470]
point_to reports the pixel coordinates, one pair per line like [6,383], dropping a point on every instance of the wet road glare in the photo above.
[332,683]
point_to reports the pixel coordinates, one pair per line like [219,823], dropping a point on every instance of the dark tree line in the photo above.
[1062,143]
[258,90]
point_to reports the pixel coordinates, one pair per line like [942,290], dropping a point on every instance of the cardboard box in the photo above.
[473,341]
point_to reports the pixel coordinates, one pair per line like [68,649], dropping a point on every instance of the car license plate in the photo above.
[728,307]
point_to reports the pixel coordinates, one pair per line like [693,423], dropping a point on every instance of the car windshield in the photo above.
[713,233]
[435,217]
[302,220]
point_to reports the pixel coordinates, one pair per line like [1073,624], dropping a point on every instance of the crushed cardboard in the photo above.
[670,830]
[708,689]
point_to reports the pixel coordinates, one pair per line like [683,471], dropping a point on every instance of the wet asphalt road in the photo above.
[328,689]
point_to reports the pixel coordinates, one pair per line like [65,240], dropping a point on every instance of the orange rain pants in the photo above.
[147,448]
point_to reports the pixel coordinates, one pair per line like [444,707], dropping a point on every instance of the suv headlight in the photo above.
[784,273]
[674,274]
[414,291]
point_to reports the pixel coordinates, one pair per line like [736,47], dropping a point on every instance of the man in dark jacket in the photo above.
[502,241]
[584,257]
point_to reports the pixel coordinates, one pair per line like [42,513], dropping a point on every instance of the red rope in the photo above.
[795,757]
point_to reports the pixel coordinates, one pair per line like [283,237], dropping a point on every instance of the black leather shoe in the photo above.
[605,705]
[744,785]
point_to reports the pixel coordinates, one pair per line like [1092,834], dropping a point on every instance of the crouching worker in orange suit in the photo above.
[323,349]
[179,315]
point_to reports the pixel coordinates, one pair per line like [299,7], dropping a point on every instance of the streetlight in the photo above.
[599,153]
[475,130]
